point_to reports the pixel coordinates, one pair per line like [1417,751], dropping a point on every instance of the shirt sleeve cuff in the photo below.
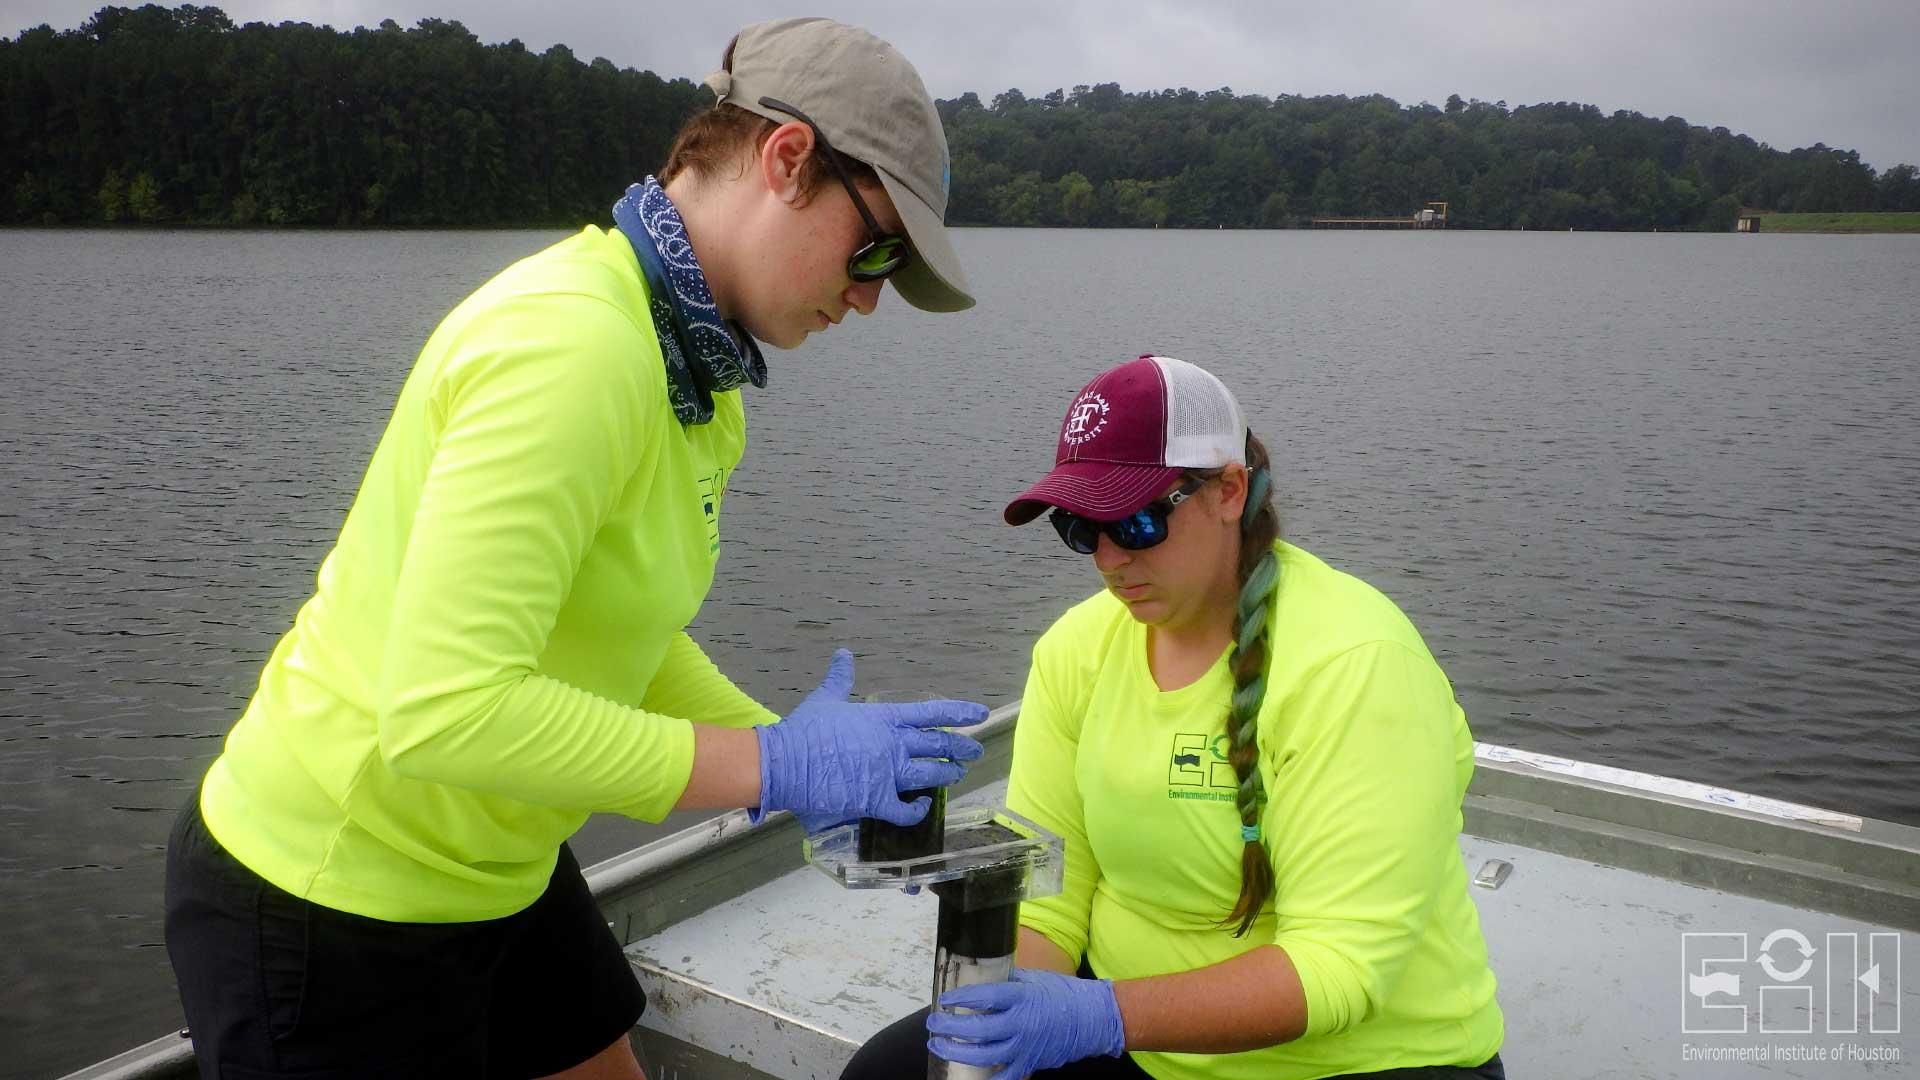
[1330,1008]
[666,780]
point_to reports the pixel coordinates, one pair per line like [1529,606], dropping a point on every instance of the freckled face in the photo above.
[799,285]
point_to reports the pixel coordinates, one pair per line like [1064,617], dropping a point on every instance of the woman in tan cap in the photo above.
[1257,769]
[373,879]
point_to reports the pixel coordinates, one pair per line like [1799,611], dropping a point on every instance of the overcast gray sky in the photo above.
[1787,72]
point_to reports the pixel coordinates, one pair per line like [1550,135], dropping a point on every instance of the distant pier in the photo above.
[1433,216]
[1369,223]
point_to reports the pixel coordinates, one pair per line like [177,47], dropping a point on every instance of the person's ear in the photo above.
[1232,487]
[783,159]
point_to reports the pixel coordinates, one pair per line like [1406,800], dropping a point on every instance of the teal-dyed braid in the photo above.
[1259,576]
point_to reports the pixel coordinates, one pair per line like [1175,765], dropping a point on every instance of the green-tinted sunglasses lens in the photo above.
[877,260]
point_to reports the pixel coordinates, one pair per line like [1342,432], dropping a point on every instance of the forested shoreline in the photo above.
[179,116]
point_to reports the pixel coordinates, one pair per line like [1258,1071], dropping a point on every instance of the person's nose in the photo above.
[1109,556]
[864,296]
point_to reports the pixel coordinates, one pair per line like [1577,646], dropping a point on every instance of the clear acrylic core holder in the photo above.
[997,856]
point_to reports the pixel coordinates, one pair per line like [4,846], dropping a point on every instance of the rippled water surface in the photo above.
[1654,501]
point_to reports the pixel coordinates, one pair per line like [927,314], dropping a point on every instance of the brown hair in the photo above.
[710,143]
[1259,579]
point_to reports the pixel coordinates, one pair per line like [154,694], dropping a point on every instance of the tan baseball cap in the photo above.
[870,104]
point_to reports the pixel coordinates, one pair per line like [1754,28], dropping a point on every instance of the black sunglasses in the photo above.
[885,253]
[1142,529]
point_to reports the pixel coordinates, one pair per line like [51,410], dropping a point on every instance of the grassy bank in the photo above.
[1890,222]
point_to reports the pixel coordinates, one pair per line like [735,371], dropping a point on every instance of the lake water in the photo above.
[1654,501]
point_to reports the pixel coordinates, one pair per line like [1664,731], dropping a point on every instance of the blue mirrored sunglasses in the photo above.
[1142,529]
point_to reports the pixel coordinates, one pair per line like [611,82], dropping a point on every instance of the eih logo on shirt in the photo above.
[709,489]
[1199,768]
[1086,418]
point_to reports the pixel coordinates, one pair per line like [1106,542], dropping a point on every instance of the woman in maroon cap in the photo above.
[1257,768]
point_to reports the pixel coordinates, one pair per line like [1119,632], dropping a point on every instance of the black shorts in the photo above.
[275,986]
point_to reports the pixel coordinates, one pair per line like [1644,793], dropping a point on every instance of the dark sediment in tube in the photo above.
[979,924]
[883,841]
[979,914]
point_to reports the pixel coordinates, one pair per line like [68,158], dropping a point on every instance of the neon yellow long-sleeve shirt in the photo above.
[1366,758]
[496,644]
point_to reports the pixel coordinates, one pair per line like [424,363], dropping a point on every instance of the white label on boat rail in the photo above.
[1667,785]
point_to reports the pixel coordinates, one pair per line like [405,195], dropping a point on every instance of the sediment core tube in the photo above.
[974,944]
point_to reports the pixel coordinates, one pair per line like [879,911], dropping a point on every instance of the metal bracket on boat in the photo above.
[1493,874]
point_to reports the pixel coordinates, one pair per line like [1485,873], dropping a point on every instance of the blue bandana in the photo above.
[705,354]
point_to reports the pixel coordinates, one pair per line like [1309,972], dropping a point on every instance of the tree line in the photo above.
[177,115]
[160,115]
[1181,158]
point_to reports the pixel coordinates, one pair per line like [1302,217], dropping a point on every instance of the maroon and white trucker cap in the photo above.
[1130,434]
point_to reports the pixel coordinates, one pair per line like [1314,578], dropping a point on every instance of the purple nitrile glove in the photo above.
[815,824]
[831,760]
[1036,1020]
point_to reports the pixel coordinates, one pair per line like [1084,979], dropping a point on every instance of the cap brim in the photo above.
[933,281]
[1095,489]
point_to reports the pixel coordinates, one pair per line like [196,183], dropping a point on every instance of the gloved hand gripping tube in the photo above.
[983,863]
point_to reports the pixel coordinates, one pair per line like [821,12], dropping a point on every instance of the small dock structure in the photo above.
[1431,216]
[1748,223]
